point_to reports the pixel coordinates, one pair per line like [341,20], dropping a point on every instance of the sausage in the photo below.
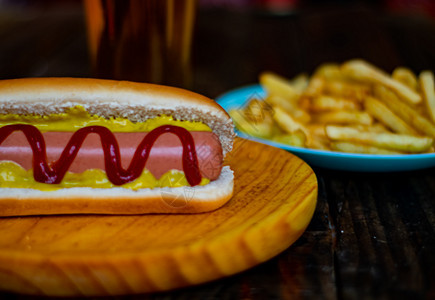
[164,156]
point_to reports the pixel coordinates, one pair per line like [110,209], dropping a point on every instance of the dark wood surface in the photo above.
[373,234]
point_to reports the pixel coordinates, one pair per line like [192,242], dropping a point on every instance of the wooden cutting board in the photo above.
[274,200]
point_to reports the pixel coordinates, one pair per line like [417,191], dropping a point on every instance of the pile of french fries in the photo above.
[351,107]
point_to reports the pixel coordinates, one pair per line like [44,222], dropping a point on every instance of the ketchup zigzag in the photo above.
[43,172]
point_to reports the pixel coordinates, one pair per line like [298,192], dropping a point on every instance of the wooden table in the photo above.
[372,235]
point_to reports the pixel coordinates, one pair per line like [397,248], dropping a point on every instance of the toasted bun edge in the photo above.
[110,98]
[22,202]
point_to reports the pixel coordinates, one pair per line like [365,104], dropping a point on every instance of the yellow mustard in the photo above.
[14,176]
[77,117]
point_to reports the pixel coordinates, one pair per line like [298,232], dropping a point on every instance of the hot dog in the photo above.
[164,155]
[80,146]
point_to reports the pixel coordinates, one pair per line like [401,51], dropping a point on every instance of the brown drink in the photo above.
[141,40]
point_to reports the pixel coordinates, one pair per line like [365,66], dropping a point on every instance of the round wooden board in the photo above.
[274,200]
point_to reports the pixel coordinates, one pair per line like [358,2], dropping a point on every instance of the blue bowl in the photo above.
[329,159]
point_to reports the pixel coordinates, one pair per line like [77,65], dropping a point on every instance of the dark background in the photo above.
[234,40]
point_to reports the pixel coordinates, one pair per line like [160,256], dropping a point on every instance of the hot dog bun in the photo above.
[136,102]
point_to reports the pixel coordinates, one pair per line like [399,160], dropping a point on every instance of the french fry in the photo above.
[381,112]
[361,148]
[257,129]
[315,86]
[286,122]
[392,141]
[318,138]
[319,144]
[327,103]
[405,76]
[279,86]
[347,89]
[404,111]
[300,82]
[375,127]
[296,139]
[428,90]
[343,117]
[352,107]
[317,129]
[290,107]
[259,111]
[361,70]
[275,100]
[329,71]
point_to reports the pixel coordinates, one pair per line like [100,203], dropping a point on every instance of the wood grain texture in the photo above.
[275,197]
